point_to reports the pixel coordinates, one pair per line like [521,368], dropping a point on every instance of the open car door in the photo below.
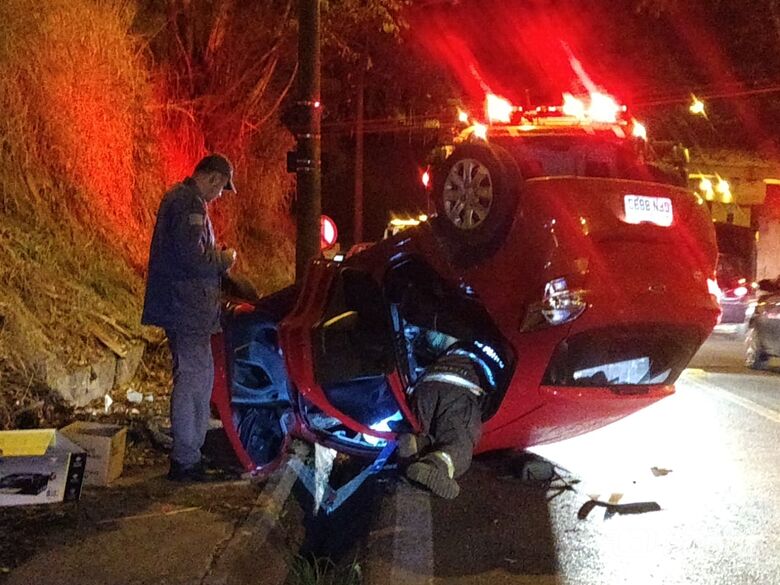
[338,345]
[251,391]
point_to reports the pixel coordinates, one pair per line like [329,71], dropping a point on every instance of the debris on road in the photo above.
[612,509]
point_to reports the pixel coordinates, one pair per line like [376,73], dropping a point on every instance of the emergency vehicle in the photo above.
[581,273]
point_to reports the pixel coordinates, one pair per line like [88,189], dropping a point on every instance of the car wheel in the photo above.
[476,193]
[755,356]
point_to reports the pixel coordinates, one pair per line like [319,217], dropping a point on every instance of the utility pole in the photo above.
[359,141]
[306,126]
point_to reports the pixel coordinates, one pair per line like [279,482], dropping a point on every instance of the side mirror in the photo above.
[768,285]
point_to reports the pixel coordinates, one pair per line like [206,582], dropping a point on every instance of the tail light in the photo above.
[560,304]
[714,289]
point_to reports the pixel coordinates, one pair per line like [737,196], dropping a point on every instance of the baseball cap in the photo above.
[219,163]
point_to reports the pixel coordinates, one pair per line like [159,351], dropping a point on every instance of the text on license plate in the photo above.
[643,208]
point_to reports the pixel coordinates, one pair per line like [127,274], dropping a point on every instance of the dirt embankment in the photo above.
[99,115]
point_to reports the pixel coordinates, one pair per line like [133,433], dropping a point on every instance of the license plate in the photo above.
[646,209]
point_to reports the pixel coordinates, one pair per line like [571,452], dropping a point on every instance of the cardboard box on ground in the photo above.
[105,445]
[39,466]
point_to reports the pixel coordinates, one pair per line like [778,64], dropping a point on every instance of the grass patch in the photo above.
[323,571]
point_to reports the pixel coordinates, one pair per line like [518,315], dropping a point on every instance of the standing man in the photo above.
[183,297]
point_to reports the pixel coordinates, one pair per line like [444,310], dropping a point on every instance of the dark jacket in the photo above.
[185,265]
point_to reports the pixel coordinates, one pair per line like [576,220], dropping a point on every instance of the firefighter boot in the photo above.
[434,471]
[411,447]
[407,446]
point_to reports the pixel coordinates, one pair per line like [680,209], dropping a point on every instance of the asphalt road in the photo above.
[706,459]
[685,491]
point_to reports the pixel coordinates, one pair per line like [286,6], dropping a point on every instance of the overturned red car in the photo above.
[580,270]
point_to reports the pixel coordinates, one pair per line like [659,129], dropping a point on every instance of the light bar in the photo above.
[404,222]
[602,108]
[573,106]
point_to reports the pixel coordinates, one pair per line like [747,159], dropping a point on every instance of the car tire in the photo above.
[475,191]
[755,356]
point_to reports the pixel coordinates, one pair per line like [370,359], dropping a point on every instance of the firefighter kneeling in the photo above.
[447,400]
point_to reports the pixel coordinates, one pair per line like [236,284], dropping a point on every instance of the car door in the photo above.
[338,347]
[251,393]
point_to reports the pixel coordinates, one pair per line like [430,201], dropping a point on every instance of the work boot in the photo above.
[433,472]
[407,446]
[196,473]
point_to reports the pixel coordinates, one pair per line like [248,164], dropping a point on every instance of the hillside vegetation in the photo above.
[103,104]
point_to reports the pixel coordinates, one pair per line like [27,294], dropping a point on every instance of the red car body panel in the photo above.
[566,412]
[644,281]
[296,340]
[220,402]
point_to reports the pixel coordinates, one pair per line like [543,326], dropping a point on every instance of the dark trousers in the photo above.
[193,378]
[451,419]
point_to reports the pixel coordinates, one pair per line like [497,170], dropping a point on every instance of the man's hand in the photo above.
[239,287]
[228,258]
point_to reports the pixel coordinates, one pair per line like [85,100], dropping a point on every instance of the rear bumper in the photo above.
[571,411]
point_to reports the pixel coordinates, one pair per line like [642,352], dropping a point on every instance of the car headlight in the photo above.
[560,304]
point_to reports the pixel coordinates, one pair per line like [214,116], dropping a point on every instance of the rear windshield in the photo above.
[581,156]
[637,355]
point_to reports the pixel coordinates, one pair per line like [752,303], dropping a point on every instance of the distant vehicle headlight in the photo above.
[559,305]
[750,310]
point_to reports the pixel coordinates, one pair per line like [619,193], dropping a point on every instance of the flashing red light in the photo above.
[603,108]
[328,232]
[639,131]
[480,131]
[499,109]
[573,106]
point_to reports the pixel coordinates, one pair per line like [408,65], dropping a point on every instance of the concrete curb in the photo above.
[249,555]
[400,544]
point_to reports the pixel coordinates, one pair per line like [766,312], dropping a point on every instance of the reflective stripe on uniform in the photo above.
[475,359]
[447,460]
[449,378]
